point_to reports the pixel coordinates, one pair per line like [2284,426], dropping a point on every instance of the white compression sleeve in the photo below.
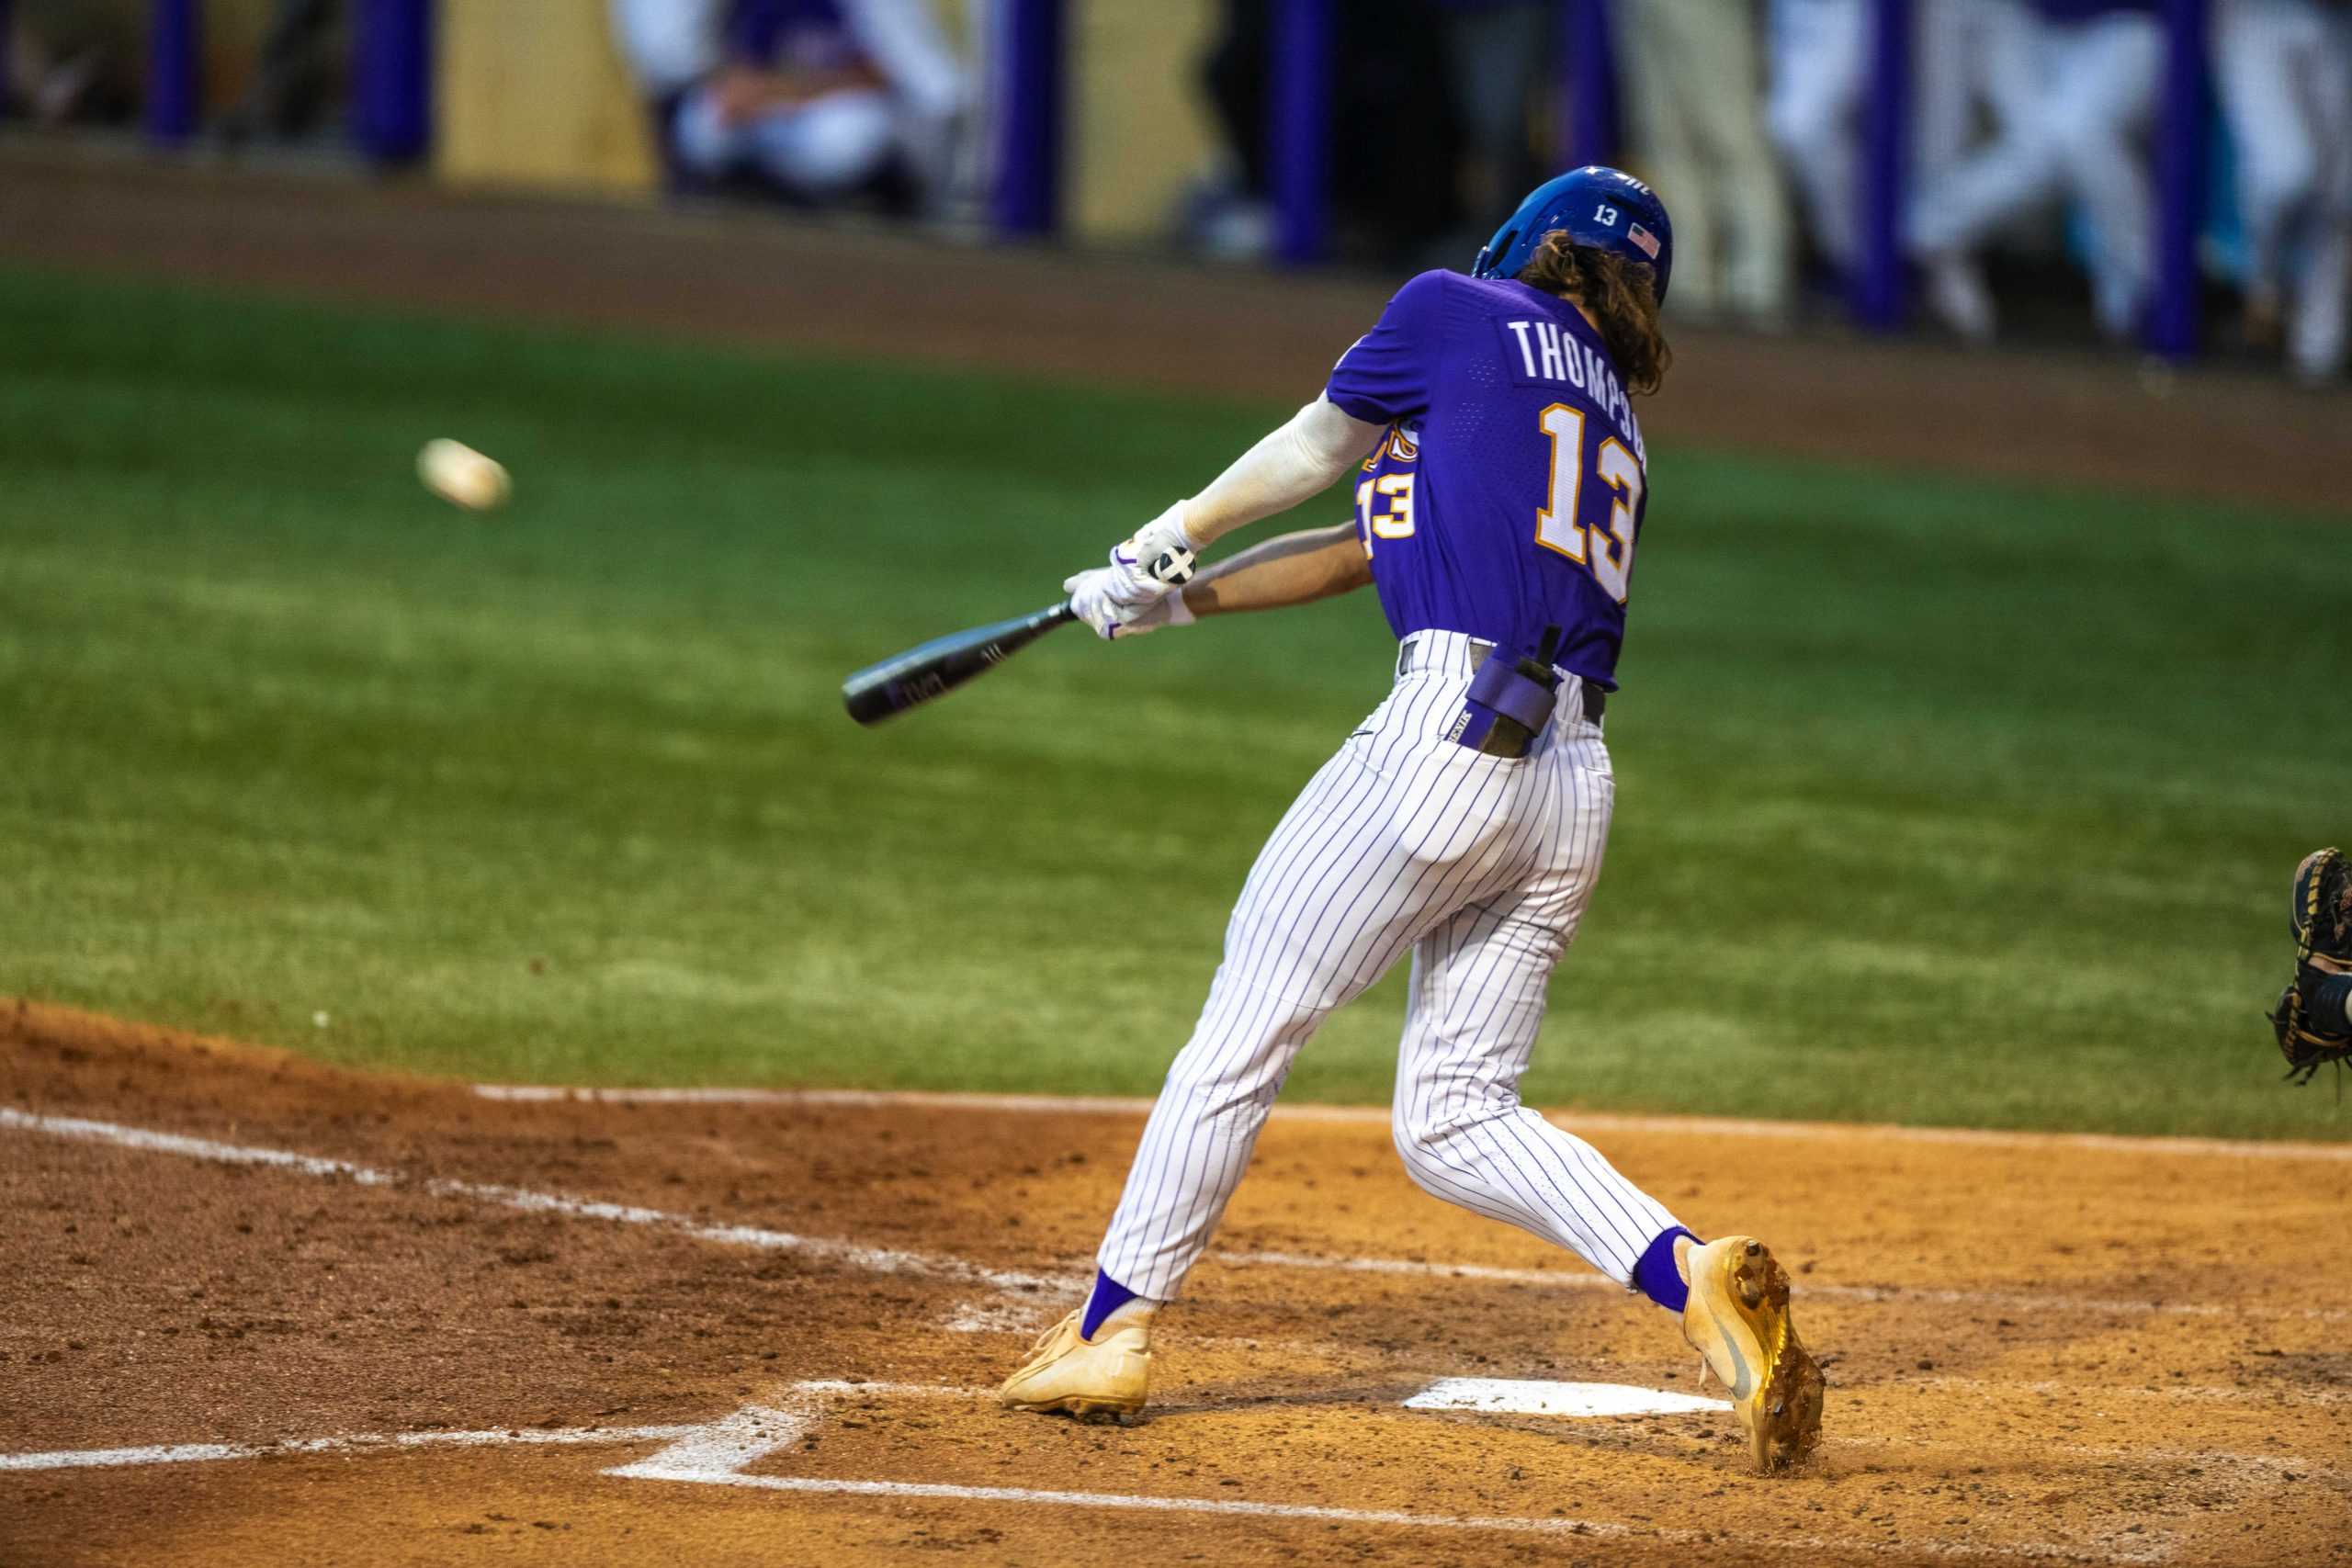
[1291,465]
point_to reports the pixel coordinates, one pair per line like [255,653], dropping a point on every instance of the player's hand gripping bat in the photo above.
[937,668]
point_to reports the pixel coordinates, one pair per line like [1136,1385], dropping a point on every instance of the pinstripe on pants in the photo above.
[1482,866]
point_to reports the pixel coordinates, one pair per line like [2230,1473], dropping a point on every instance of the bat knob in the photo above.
[1172,566]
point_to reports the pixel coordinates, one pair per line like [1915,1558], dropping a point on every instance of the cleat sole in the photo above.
[1788,1411]
[1083,1409]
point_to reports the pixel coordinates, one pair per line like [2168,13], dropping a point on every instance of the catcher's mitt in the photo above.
[2323,929]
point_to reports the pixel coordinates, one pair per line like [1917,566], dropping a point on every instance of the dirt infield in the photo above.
[747,277]
[404,1323]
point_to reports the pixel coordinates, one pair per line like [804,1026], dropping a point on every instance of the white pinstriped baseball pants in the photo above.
[1482,866]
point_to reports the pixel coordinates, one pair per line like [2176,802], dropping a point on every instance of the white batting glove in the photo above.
[1144,569]
[1089,598]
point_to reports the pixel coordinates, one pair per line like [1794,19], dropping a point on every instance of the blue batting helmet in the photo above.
[1606,208]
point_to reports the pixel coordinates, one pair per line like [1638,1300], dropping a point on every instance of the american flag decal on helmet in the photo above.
[1644,238]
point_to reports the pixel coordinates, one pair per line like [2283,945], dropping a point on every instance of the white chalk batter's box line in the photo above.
[893,1260]
[713,1454]
[1367,1115]
[773,1426]
[720,1453]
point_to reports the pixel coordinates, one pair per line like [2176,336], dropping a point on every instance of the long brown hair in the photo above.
[1622,292]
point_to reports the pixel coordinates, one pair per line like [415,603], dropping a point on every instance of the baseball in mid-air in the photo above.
[463,477]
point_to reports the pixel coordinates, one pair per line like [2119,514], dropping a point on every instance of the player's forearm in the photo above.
[1293,464]
[1295,569]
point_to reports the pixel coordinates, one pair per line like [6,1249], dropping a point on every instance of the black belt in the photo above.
[1408,659]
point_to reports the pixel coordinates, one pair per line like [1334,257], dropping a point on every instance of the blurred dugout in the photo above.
[2018,104]
[2047,127]
[1903,141]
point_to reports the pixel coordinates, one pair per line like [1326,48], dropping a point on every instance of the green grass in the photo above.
[1939,801]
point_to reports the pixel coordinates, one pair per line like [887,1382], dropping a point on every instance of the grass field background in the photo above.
[1940,801]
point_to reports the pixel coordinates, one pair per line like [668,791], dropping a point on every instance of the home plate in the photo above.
[1517,1398]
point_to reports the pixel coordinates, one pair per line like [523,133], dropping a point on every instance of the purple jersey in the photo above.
[1507,495]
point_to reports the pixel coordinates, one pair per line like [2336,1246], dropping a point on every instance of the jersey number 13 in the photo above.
[1606,551]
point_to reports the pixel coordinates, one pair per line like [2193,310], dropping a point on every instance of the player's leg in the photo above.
[2257,49]
[1957,210]
[1951,54]
[1357,868]
[1814,113]
[1759,247]
[1477,1002]
[1477,998]
[1391,834]
[1945,47]
[704,142]
[1471,1013]
[1651,38]
[1205,1124]
[2319,333]
[2108,74]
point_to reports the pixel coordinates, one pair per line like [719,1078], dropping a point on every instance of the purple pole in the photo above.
[1878,281]
[1300,129]
[174,69]
[1025,196]
[1590,83]
[2173,317]
[391,71]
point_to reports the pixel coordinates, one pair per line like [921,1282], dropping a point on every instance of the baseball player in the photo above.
[2284,68]
[2313,1018]
[1499,485]
[1819,71]
[2073,85]
[1694,87]
[816,98]
[1965,60]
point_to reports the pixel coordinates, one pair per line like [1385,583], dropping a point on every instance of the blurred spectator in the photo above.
[1231,212]
[1966,58]
[1821,53]
[1977,86]
[72,59]
[1396,139]
[818,100]
[296,76]
[1497,54]
[2073,85]
[1693,75]
[2284,68]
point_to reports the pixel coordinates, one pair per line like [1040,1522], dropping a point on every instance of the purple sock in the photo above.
[1109,1297]
[1657,1277]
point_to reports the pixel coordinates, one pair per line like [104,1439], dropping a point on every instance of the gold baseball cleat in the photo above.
[1737,1318]
[1103,1376]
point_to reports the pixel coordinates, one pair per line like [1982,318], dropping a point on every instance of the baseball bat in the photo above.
[937,668]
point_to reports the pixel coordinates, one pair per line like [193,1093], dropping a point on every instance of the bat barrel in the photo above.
[935,668]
